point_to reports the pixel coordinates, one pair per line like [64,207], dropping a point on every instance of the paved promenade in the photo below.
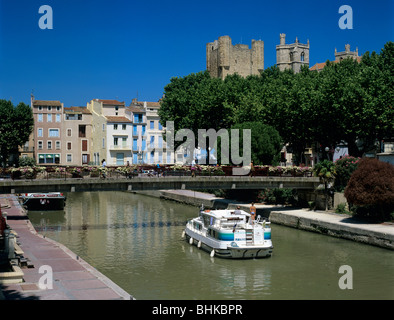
[73,278]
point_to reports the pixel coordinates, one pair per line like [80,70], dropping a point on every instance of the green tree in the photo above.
[16,124]
[325,170]
[266,142]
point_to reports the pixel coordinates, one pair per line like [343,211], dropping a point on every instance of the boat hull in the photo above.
[229,252]
[44,204]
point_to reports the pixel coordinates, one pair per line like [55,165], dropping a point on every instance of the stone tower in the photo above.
[292,56]
[346,54]
[223,58]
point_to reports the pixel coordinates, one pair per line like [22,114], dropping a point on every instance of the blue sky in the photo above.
[116,49]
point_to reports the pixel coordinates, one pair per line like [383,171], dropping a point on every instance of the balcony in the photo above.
[120,147]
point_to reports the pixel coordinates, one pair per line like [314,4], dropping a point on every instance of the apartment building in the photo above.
[137,113]
[118,140]
[77,136]
[153,148]
[47,133]
[100,109]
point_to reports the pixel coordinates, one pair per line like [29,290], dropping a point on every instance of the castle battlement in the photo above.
[223,58]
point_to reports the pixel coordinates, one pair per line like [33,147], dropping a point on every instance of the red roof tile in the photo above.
[117,119]
[112,102]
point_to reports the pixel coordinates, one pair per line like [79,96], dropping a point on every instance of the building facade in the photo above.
[47,135]
[292,56]
[119,134]
[223,58]
[100,109]
[77,136]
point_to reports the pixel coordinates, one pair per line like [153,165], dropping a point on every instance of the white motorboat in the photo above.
[230,234]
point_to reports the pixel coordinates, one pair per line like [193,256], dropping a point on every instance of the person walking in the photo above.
[251,169]
[103,164]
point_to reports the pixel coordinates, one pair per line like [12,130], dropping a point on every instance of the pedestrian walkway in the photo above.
[73,278]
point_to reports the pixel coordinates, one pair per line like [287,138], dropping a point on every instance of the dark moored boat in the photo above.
[44,201]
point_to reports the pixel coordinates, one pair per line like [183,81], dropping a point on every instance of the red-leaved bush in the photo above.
[371,187]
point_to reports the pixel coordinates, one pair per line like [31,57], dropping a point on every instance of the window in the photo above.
[103,126]
[115,126]
[152,156]
[49,117]
[103,142]
[53,132]
[160,126]
[152,142]
[302,56]
[49,144]
[137,118]
[82,131]
[58,108]
[152,124]
[39,119]
[57,145]
[39,108]
[85,159]
[68,145]
[135,133]
[49,108]
[115,141]
[123,127]
[135,147]
[84,145]
[73,116]
[160,142]
[58,117]
[124,142]
[69,158]
[39,145]
[39,132]
[68,132]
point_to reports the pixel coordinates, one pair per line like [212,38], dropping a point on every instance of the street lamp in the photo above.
[327,149]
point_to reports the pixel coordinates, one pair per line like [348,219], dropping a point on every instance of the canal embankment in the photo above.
[50,270]
[324,222]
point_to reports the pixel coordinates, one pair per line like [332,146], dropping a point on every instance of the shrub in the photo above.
[278,196]
[344,168]
[371,189]
[27,162]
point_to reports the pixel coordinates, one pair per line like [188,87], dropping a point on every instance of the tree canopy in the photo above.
[347,101]
[16,124]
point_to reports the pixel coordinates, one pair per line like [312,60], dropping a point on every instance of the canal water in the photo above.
[136,241]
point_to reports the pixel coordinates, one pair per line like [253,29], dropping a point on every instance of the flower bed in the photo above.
[64,172]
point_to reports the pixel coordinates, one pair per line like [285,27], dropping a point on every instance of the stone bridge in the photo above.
[156,183]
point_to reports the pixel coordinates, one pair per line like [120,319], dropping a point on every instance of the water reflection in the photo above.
[136,241]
